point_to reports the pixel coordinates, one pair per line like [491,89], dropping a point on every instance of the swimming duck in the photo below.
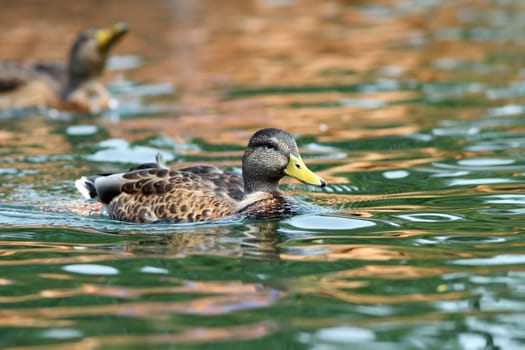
[75,86]
[152,192]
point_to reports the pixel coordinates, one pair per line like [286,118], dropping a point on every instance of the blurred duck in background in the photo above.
[76,86]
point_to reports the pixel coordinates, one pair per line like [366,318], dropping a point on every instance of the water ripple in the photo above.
[503,259]
[430,217]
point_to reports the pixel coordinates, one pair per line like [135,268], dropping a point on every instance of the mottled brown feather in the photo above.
[178,195]
[22,86]
[275,205]
[230,183]
[179,205]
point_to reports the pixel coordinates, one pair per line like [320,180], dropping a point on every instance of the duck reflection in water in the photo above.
[255,240]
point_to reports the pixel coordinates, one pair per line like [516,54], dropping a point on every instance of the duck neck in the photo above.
[80,71]
[79,78]
[251,186]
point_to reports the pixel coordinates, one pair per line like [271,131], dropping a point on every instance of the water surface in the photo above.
[412,110]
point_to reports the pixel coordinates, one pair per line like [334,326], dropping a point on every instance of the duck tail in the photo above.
[104,187]
[86,186]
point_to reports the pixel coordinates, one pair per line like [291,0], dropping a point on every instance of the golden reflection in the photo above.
[78,259]
[376,252]
[174,336]
[5,282]
[208,305]
[341,199]
[333,100]
[35,246]
[327,52]
[15,320]
[231,288]
[387,272]
[339,285]
[57,276]
[290,49]
[324,46]
[358,298]
[344,251]
[501,188]
[378,161]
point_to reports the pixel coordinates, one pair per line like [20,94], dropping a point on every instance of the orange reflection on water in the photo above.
[345,251]
[62,260]
[228,297]
[352,285]
[501,188]
[211,305]
[388,272]
[14,320]
[339,285]
[207,48]
[376,252]
[173,336]
[359,298]
[345,199]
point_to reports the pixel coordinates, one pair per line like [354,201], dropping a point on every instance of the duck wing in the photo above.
[153,194]
[230,183]
[24,85]
[56,71]
[15,74]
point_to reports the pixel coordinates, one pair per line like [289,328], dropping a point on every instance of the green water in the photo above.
[415,244]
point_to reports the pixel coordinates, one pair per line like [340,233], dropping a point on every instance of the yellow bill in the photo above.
[106,37]
[297,169]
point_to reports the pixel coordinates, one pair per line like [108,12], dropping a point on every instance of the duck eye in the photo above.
[270,146]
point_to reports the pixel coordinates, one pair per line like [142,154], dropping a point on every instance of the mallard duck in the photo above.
[76,86]
[152,192]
